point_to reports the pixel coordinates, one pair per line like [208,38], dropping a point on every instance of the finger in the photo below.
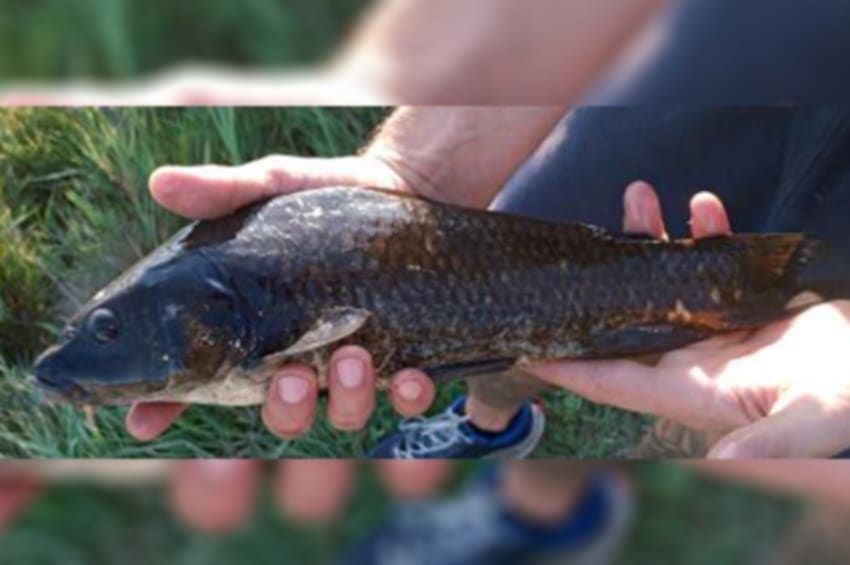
[351,388]
[32,98]
[414,479]
[211,191]
[708,216]
[216,495]
[315,490]
[605,382]
[290,407]
[803,429]
[642,211]
[412,392]
[16,493]
[683,394]
[147,420]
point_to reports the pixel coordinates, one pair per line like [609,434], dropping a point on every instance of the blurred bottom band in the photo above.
[326,511]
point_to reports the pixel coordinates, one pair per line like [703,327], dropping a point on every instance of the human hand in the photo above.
[310,491]
[210,191]
[780,391]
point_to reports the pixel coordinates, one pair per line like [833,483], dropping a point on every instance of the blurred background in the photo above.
[419,52]
[75,212]
[682,517]
[121,39]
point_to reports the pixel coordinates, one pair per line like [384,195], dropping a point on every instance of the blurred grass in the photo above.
[682,518]
[74,212]
[53,39]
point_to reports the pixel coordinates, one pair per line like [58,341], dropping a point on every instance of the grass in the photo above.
[55,39]
[74,212]
[683,518]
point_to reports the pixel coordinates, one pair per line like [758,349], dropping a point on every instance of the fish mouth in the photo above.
[59,385]
[62,391]
[56,386]
[57,390]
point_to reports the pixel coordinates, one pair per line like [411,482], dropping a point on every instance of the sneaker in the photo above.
[451,435]
[474,527]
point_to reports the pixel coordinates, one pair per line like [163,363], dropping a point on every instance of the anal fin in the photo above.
[452,371]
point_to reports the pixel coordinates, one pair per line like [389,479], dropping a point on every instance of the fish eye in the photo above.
[103,325]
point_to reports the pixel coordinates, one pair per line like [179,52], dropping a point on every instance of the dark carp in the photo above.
[209,315]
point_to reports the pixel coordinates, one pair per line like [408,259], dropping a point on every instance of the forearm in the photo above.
[461,154]
[490,51]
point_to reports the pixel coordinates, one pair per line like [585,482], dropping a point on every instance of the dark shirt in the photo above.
[776,169]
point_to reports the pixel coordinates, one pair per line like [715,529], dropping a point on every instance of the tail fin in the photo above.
[778,259]
[775,278]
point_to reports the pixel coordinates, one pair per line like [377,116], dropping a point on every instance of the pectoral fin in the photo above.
[334,325]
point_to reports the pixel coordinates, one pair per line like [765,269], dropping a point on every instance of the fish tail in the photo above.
[778,259]
[781,279]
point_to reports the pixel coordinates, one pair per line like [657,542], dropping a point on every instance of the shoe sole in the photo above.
[524,448]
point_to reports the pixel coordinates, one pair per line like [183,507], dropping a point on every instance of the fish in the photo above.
[210,315]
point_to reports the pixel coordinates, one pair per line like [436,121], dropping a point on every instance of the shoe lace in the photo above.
[448,532]
[426,435]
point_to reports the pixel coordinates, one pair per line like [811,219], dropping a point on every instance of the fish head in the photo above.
[104,348]
[144,333]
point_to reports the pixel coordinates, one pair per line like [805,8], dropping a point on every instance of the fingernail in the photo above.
[213,469]
[410,390]
[292,390]
[350,372]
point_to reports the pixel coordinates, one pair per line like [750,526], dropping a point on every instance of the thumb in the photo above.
[804,430]
[210,191]
[676,393]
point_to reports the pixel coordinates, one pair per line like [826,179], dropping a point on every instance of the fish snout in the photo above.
[50,379]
